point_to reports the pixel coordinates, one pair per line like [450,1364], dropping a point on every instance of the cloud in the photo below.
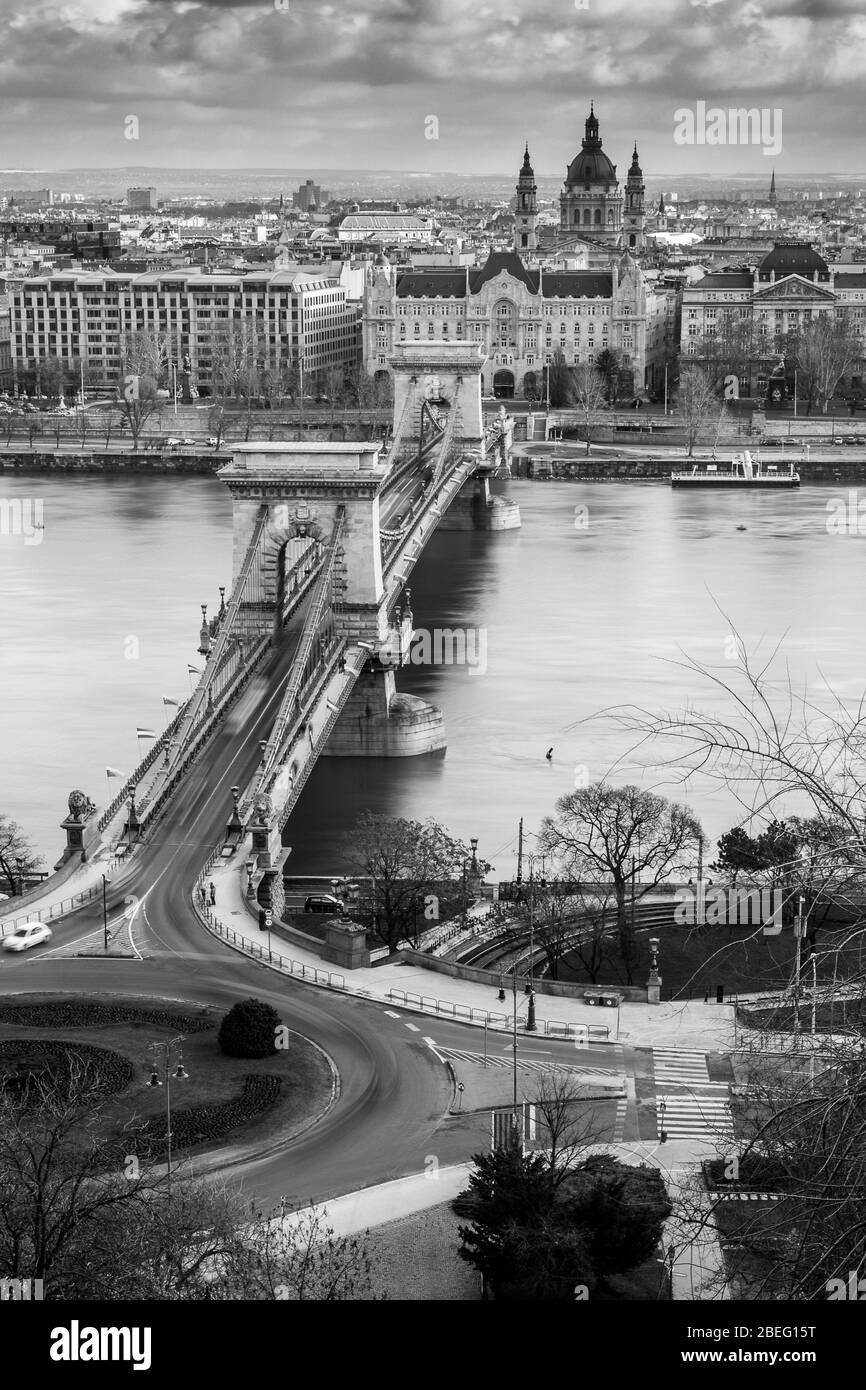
[246,81]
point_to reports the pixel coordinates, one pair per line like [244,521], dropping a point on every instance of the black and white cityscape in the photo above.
[433,799]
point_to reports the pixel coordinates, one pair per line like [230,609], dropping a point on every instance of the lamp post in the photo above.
[531,1025]
[515,1122]
[661,1109]
[162,1061]
[19,865]
[105,914]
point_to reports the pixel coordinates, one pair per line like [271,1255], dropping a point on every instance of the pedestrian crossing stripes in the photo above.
[746,1196]
[693,1117]
[680,1068]
[619,1120]
[524,1063]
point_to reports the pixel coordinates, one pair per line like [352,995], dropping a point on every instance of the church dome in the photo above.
[592,164]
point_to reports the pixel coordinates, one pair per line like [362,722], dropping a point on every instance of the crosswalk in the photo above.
[693,1117]
[688,1104]
[523,1064]
[687,1068]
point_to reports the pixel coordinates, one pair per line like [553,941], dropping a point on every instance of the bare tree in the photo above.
[697,403]
[632,839]
[15,848]
[589,396]
[569,1125]
[826,350]
[145,359]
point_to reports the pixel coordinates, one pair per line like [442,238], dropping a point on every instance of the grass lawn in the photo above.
[741,959]
[224,1100]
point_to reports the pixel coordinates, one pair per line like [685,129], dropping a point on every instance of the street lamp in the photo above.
[162,1062]
[661,1108]
[19,864]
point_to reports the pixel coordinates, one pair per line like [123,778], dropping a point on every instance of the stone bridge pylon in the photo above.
[303,487]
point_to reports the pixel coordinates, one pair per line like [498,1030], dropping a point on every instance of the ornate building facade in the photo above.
[519,316]
[789,286]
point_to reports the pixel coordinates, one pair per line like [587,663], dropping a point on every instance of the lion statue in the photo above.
[80,805]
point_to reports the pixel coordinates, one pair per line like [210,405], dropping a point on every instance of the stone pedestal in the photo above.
[82,830]
[475,508]
[346,945]
[378,722]
[653,988]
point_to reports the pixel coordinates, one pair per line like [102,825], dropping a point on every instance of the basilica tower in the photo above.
[526,212]
[634,219]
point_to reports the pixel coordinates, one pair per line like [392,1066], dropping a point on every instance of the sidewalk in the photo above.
[694,1262]
[690,1025]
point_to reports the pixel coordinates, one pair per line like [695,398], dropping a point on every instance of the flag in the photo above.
[193,670]
[145,733]
[167,700]
[113,772]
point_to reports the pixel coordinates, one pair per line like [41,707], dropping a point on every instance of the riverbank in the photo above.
[597,468]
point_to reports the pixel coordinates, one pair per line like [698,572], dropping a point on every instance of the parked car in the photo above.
[324,902]
[27,935]
[173,442]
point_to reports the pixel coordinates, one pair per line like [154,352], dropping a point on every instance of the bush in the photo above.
[249,1029]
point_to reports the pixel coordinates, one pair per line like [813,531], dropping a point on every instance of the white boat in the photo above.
[742,471]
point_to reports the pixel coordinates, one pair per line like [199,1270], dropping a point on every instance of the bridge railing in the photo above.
[144,766]
[215,659]
[149,811]
[62,908]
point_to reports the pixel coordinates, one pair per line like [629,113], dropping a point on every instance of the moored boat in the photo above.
[742,471]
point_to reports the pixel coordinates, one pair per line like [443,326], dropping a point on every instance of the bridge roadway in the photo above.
[394,1091]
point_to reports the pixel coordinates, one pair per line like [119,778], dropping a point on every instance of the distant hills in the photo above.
[226,184]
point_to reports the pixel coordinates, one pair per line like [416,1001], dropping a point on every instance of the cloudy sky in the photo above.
[271,83]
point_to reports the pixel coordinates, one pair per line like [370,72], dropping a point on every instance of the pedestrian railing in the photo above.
[254,949]
[445,1008]
[66,905]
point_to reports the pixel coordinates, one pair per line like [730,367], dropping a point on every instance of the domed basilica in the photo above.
[592,207]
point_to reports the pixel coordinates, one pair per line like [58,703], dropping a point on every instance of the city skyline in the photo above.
[94,82]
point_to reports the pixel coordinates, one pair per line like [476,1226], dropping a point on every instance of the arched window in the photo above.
[586,217]
[598,217]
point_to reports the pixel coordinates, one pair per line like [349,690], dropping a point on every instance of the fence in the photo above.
[251,948]
[445,1008]
[66,905]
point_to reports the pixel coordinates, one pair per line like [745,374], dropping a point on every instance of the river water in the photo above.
[575,614]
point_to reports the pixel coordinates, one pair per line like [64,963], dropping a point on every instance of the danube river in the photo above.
[571,615]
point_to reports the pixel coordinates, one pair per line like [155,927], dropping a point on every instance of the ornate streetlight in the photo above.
[162,1062]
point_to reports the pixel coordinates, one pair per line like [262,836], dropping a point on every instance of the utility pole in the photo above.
[105,914]
[520,851]
[531,1025]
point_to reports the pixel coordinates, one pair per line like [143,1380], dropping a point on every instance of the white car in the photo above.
[27,935]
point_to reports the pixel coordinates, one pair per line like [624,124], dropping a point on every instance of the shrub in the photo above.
[249,1029]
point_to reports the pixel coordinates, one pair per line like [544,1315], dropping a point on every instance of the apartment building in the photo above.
[5,342]
[77,315]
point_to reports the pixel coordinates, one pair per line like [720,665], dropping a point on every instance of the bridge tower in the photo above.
[295,494]
[303,485]
[445,374]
